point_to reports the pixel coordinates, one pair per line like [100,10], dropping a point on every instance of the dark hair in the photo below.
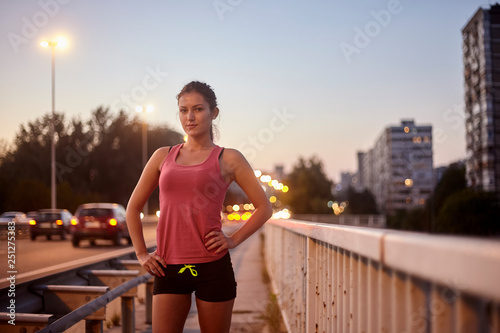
[203,89]
[208,95]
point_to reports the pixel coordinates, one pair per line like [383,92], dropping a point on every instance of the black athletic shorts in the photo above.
[211,281]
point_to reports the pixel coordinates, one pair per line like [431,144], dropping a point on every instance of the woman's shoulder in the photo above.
[159,155]
[162,151]
[233,159]
[232,154]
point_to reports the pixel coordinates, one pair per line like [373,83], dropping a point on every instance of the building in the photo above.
[398,170]
[481,57]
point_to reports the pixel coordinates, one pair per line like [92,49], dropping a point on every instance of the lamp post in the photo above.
[59,42]
[141,109]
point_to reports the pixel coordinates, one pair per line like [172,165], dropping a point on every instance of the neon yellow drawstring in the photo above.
[190,267]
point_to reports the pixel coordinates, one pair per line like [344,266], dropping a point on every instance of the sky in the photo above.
[292,78]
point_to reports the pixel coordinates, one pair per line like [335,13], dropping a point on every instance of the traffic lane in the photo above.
[42,254]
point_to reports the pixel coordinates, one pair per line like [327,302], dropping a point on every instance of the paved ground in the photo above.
[251,301]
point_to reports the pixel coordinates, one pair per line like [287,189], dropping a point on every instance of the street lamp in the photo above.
[60,42]
[141,109]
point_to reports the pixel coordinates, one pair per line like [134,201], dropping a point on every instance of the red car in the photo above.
[99,221]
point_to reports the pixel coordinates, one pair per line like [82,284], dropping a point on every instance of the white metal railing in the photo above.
[366,220]
[331,278]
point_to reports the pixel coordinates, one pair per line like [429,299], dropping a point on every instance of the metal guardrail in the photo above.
[332,278]
[60,294]
[86,310]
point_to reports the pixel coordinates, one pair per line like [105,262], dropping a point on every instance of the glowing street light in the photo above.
[144,110]
[59,42]
[140,108]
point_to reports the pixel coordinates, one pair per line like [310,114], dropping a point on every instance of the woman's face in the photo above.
[195,114]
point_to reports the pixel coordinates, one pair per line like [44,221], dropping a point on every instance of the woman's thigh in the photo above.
[170,312]
[214,316]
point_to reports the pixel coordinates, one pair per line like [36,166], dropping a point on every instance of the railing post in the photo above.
[93,326]
[312,286]
[400,292]
[373,309]
[417,306]
[324,278]
[466,310]
[148,291]
[384,299]
[341,302]
[362,295]
[336,303]
[149,301]
[441,313]
[128,314]
[354,287]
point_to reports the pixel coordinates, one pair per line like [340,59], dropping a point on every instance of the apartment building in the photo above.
[481,57]
[398,170]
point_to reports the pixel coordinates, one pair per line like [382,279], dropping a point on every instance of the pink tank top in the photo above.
[191,199]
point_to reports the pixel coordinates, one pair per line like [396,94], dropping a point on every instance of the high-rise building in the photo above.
[481,56]
[398,170]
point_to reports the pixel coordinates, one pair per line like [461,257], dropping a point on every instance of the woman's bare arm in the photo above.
[145,186]
[238,168]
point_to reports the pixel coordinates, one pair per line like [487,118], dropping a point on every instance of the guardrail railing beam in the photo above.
[61,300]
[113,279]
[23,322]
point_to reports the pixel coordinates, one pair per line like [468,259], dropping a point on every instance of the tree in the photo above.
[469,212]
[96,160]
[360,202]
[413,220]
[310,189]
[453,181]
[422,219]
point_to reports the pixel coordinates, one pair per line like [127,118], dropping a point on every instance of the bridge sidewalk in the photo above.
[251,301]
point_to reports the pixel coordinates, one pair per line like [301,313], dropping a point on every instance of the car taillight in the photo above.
[59,222]
[74,221]
[113,222]
[32,222]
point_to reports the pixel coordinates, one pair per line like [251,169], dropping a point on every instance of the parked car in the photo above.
[11,216]
[49,222]
[94,221]
[6,219]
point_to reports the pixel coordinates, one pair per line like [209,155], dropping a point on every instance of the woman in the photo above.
[192,251]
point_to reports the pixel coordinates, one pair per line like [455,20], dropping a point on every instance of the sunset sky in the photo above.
[293,78]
